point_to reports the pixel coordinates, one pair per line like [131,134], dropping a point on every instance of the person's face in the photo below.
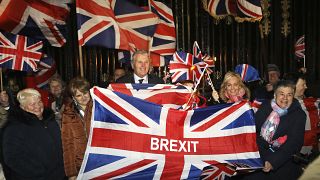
[141,65]
[119,73]
[13,86]
[34,105]
[55,88]
[284,96]
[82,98]
[301,87]
[273,77]
[233,86]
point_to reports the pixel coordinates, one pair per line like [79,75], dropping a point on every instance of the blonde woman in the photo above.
[233,89]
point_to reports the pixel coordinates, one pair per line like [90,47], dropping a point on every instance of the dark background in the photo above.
[230,42]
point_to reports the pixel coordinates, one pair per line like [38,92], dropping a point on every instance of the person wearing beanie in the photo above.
[273,77]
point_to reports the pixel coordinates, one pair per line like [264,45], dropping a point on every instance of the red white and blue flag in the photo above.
[39,19]
[249,10]
[247,72]
[170,96]
[300,47]
[311,107]
[19,52]
[116,24]
[196,50]
[184,66]
[132,138]
[163,43]
[46,69]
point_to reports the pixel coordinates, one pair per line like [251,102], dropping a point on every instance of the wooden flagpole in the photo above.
[81,61]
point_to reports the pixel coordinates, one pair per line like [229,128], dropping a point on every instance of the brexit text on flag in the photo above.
[300,47]
[117,24]
[132,138]
[19,52]
[242,10]
[170,96]
[39,19]
[163,43]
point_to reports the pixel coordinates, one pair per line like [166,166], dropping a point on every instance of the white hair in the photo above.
[25,93]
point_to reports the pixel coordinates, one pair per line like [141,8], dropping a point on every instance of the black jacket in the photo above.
[31,147]
[293,125]
[129,78]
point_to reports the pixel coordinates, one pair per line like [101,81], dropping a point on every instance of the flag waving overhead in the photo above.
[116,24]
[184,66]
[242,10]
[19,52]
[39,19]
[164,40]
[300,47]
[132,138]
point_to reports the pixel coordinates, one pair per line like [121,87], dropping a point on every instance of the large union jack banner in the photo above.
[19,52]
[132,138]
[116,24]
[249,10]
[39,19]
[163,94]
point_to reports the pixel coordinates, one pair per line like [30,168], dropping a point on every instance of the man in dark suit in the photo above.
[141,66]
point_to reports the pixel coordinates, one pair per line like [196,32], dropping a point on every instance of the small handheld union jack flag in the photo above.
[300,47]
[19,52]
[184,66]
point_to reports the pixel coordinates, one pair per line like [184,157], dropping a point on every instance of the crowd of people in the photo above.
[40,142]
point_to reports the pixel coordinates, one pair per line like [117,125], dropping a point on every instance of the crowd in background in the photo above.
[44,136]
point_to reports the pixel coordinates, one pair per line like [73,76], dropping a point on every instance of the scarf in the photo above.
[236,98]
[270,126]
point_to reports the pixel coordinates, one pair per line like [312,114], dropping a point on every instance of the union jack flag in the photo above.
[132,138]
[311,108]
[47,68]
[300,47]
[196,50]
[116,24]
[19,52]
[247,72]
[164,40]
[163,94]
[198,54]
[218,171]
[249,10]
[39,19]
[184,66]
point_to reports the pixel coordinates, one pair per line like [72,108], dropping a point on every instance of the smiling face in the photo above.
[33,105]
[233,86]
[82,98]
[55,88]
[284,96]
[141,64]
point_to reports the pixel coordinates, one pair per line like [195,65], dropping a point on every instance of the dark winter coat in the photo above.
[292,124]
[32,148]
[129,78]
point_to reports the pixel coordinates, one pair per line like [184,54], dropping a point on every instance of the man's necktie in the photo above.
[140,81]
